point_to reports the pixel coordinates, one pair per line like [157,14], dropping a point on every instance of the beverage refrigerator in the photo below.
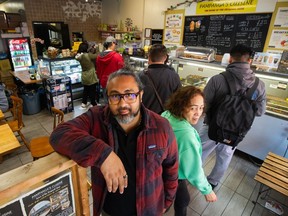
[19,51]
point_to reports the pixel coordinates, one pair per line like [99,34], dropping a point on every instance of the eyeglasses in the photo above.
[128,97]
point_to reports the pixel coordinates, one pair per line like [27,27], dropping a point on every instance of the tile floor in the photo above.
[235,193]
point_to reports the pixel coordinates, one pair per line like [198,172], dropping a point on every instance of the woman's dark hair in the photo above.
[180,99]
[83,47]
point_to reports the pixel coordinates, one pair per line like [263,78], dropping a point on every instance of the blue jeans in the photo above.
[224,154]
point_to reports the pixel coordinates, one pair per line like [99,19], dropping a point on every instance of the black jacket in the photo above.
[166,82]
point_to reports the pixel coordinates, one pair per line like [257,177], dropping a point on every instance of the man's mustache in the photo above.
[123,109]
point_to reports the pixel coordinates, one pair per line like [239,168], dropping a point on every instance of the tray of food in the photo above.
[199,54]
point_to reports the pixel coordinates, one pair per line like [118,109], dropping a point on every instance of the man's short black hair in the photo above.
[126,71]
[157,53]
[239,51]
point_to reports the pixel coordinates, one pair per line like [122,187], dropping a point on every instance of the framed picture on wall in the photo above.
[147,42]
[148,33]
[77,36]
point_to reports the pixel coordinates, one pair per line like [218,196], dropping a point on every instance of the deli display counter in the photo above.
[67,66]
[269,133]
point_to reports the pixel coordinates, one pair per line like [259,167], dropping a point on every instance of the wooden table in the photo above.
[273,174]
[1,115]
[24,76]
[8,141]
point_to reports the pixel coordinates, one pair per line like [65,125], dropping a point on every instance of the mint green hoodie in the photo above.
[190,151]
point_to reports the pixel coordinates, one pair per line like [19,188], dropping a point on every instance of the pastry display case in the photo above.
[67,66]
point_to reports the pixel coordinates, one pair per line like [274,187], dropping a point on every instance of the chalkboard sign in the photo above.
[157,36]
[224,31]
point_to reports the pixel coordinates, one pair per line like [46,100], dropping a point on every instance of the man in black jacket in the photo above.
[164,78]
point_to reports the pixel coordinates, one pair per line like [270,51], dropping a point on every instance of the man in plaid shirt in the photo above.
[131,150]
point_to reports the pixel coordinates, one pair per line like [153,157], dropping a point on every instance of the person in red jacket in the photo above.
[132,151]
[108,62]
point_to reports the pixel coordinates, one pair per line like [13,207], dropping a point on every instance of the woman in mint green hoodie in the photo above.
[184,109]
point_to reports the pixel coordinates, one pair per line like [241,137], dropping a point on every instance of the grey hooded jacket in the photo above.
[217,87]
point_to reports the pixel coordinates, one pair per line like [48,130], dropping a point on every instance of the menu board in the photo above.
[222,32]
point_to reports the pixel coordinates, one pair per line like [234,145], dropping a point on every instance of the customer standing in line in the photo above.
[131,150]
[4,105]
[183,110]
[88,77]
[108,62]
[215,90]
[163,77]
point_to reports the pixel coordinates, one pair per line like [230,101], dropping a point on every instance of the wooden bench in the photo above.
[273,173]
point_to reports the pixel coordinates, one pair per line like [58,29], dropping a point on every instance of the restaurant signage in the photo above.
[226,6]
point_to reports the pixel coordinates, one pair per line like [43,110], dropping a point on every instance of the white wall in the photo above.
[116,10]
[153,14]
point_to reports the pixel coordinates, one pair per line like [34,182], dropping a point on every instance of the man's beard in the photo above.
[126,119]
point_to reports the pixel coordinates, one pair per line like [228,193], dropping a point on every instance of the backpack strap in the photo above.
[155,90]
[251,90]
[230,80]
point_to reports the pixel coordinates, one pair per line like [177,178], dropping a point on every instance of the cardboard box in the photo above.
[5,65]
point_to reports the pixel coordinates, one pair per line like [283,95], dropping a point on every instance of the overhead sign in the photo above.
[226,6]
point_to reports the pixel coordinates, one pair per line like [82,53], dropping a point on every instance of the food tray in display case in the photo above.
[195,80]
[277,106]
[198,54]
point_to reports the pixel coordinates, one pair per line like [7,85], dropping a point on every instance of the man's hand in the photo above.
[114,173]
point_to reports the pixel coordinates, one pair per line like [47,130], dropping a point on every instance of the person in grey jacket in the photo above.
[164,78]
[4,106]
[215,90]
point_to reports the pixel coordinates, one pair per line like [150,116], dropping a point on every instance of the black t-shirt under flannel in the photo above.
[124,204]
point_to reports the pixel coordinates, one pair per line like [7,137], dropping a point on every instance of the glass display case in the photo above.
[64,66]
[138,64]
[268,132]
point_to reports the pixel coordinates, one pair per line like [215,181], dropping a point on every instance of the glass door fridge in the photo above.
[20,53]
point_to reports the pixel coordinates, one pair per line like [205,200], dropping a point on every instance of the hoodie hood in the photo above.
[243,73]
[177,124]
[106,57]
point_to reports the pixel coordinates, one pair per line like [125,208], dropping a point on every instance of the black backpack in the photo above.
[234,114]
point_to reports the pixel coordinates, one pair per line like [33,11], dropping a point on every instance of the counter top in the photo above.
[24,76]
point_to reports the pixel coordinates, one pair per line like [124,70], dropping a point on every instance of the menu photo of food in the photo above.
[174,20]
[283,64]
[173,35]
[266,61]
[194,25]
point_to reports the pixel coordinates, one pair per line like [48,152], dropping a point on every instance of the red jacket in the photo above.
[88,140]
[107,63]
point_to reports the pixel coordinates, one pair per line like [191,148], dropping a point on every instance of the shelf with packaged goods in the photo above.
[119,35]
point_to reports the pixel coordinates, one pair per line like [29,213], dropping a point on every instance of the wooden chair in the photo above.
[13,89]
[17,123]
[58,116]
[40,146]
